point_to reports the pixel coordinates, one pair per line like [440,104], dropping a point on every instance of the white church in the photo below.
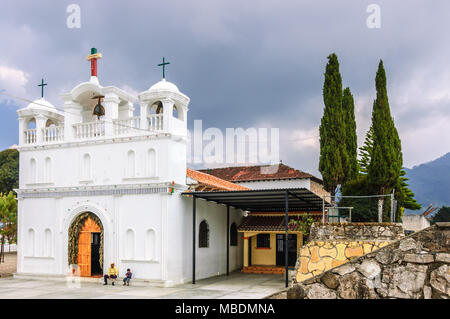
[99,185]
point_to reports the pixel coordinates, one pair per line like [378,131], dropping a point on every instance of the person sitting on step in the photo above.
[112,274]
[126,280]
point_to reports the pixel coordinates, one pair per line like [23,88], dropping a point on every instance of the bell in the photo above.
[99,110]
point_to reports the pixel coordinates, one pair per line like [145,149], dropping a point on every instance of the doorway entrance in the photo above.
[292,250]
[89,249]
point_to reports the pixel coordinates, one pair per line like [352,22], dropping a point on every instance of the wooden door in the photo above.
[84,246]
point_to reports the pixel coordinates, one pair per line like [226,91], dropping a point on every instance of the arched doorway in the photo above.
[86,244]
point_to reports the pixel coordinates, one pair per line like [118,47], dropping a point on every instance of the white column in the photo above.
[167,114]
[41,120]
[21,130]
[72,115]
[144,115]
[111,104]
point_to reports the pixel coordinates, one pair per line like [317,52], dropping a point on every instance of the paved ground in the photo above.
[236,286]
[9,266]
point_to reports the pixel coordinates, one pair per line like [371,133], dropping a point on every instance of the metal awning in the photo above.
[264,200]
[270,200]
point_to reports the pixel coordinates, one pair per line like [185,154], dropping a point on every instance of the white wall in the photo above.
[108,164]
[276,184]
[210,261]
[169,216]
[415,222]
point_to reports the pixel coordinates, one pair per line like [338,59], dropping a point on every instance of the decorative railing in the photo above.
[30,136]
[53,133]
[96,129]
[155,122]
[127,125]
[89,130]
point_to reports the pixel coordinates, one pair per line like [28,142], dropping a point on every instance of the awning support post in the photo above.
[193,237]
[286,207]
[228,240]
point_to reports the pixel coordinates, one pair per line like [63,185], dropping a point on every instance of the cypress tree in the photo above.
[333,154]
[386,160]
[365,152]
[348,106]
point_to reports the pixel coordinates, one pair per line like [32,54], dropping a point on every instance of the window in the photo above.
[33,171]
[151,162]
[175,112]
[203,235]
[48,243]
[86,173]
[150,244]
[263,241]
[131,164]
[48,169]
[31,243]
[233,235]
[129,250]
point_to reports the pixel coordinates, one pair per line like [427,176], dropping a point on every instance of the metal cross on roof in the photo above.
[42,87]
[164,67]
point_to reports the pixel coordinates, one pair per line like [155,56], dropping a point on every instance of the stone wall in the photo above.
[334,244]
[417,266]
[356,231]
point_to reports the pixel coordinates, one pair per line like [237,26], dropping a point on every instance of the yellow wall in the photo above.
[264,256]
[319,256]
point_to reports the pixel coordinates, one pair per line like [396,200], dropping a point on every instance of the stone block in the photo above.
[407,244]
[440,280]
[314,250]
[405,282]
[443,257]
[354,252]
[353,286]
[320,265]
[304,252]
[303,265]
[296,292]
[418,258]
[427,292]
[387,256]
[336,263]
[330,280]
[343,270]
[327,252]
[367,248]
[301,277]
[319,291]
[369,268]
[341,252]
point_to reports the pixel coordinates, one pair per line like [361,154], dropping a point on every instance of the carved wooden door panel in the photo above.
[84,247]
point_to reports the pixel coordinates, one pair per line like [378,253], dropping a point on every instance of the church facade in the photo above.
[99,185]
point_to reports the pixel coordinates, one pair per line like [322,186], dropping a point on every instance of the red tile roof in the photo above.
[258,173]
[213,182]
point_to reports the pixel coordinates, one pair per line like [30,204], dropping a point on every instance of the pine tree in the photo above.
[386,158]
[333,154]
[365,152]
[405,197]
[351,143]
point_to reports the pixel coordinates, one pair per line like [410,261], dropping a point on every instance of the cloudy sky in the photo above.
[242,63]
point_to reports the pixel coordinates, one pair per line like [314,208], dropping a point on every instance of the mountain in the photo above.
[430,182]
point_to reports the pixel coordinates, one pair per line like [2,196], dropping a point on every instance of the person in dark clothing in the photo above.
[126,280]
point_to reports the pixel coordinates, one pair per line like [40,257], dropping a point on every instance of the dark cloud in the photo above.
[244,64]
